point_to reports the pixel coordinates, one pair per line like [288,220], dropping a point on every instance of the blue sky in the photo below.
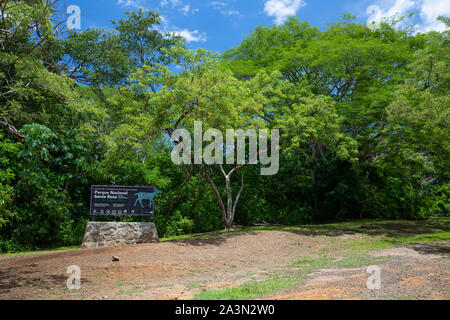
[220,25]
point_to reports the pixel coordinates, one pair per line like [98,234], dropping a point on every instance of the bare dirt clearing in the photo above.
[181,269]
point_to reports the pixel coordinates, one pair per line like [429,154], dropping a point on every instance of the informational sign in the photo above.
[123,201]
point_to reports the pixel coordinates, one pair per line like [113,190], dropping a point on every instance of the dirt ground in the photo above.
[411,273]
[180,269]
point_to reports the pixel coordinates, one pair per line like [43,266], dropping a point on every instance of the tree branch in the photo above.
[11,129]
[219,199]
[238,196]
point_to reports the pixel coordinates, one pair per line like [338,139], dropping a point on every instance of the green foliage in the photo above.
[438,201]
[8,156]
[179,225]
[363,117]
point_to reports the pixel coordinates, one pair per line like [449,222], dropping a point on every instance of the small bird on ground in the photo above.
[115,259]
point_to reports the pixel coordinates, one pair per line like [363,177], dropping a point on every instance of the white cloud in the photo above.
[190,36]
[282,9]
[130,3]
[185,9]
[400,7]
[429,11]
[231,12]
[166,27]
[174,3]
[221,7]
[378,14]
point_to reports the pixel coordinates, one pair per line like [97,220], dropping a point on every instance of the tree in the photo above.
[201,90]
[107,58]
[25,82]
[313,129]
[415,140]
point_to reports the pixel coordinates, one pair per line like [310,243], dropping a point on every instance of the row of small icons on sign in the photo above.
[113,212]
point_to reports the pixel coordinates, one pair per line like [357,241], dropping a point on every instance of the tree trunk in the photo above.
[228,212]
[231,205]
[219,199]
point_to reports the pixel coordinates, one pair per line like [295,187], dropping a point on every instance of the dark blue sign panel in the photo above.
[123,201]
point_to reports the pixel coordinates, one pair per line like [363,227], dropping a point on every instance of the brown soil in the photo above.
[180,269]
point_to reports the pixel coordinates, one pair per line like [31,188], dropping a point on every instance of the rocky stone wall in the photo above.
[101,234]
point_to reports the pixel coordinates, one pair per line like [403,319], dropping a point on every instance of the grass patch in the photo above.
[357,261]
[389,242]
[304,267]
[190,236]
[132,291]
[237,230]
[244,230]
[249,290]
[26,253]
[313,264]
[354,223]
[424,238]
[307,266]
[195,286]
[195,271]
[352,227]
[367,245]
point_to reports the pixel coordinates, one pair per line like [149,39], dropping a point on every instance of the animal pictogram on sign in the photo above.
[146,196]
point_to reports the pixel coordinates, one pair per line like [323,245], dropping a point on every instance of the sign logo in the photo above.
[146,196]
[123,201]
